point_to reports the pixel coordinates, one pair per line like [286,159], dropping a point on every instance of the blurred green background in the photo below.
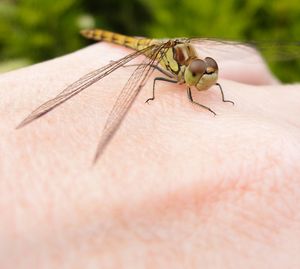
[35,30]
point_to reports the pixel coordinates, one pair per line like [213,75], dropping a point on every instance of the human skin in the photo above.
[175,188]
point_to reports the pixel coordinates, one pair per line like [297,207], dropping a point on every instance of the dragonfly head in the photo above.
[201,73]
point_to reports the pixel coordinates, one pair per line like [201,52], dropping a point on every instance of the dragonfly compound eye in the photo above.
[211,65]
[197,67]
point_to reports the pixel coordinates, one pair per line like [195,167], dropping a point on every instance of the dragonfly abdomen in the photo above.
[123,40]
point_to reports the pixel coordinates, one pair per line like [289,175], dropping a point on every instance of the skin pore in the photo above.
[175,188]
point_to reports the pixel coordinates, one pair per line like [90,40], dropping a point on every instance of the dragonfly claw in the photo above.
[228,101]
[149,99]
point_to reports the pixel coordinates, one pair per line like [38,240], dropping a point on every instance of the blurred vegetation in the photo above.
[33,30]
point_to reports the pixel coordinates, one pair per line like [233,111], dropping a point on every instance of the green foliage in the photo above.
[265,22]
[124,16]
[38,30]
[33,30]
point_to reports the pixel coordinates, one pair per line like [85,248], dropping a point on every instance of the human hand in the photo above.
[175,188]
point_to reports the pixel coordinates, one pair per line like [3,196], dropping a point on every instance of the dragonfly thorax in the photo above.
[201,73]
[183,53]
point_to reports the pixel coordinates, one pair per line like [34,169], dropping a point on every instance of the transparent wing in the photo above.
[222,49]
[278,51]
[282,57]
[128,94]
[81,84]
[274,50]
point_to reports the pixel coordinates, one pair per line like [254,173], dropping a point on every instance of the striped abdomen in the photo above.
[127,41]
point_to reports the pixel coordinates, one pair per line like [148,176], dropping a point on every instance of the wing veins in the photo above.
[127,96]
[81,84]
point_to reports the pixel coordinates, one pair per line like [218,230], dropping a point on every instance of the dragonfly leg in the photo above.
[189,94]
[223,99]
[153,88]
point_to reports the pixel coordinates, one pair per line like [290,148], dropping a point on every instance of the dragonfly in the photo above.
[176,59]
